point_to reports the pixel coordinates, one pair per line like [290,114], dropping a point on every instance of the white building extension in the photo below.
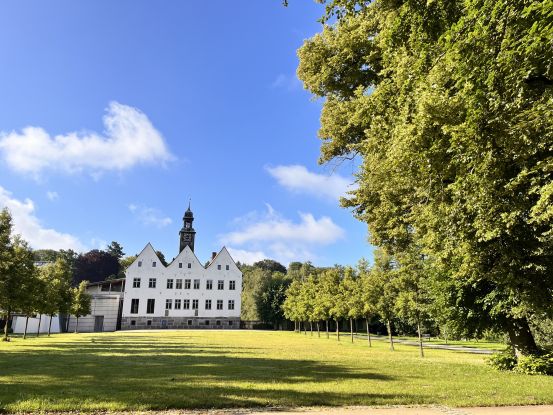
[185,294]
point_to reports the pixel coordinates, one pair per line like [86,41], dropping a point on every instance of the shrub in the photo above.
[536,365]
[505,360]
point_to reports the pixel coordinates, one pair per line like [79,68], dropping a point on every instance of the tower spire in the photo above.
[187,233]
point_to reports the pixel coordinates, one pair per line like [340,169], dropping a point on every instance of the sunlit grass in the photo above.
[204,369]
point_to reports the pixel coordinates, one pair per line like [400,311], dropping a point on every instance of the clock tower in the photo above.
[187,233]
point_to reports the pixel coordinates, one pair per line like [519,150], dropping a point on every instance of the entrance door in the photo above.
[98,323]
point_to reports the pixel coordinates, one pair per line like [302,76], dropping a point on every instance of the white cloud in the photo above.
[29,227]
[52,196]
[287,82]
[149,216]
[246,257]
[129,139]
[297,178]
[281,238]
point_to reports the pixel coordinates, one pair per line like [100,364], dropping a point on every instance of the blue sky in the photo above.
[114,114]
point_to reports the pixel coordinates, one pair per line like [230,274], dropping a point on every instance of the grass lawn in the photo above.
[205,369]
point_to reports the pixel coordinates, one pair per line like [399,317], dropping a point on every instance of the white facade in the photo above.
[18,324]
[183,294]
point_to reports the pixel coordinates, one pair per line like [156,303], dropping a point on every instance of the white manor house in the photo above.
[183,294]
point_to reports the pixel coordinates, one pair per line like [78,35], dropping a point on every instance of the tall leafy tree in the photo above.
[80,302]
[16,271]
[57,278]
[449,105]
[115,249]
[271,300]
[95,266]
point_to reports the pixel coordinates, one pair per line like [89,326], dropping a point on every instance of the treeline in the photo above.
[29,290]
[264,286]
[95,265]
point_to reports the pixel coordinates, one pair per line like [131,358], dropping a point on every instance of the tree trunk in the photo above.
[521,338]
[327,332]
[39,321]
[368,333]
[311,328]
[77,325]
[389,324]
[337,330]
[295,326]
[305,328]
[26,324]
[6,326]
[351,328]
[67,325]
[318,330]
[50,325]
[420,339]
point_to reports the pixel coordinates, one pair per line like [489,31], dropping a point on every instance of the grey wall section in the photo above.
[106,305]
[141,323]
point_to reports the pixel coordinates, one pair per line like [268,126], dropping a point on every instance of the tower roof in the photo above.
[188,213]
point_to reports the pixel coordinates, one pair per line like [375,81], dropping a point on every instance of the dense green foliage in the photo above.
[138,371]
[449,106]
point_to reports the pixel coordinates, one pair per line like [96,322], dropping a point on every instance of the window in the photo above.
[209,284]
[152,283]
[230,322]
[133,322]
[207,322]
[218,323]
[189,322]
[177,304]
[232,285]
[208,304]
[186,284]
[186,304]
[227,267]
[179,284]
[154,264]
[150,306]
[219,304]
[220,285]
[189,265]
[149,323]
[196,284]
[194,304]
[170,284]
[139,263]
[168,304]
[136,283]
[218,266]
[134,306]
[105,287]
[231,304]
[180,264]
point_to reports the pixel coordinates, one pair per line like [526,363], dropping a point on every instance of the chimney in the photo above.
[213,255]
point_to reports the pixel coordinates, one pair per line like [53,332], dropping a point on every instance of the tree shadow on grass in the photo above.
[80,375]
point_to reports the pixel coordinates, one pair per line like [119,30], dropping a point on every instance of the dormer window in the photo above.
[154,264]
[180,264]
[218,267]
[189,265]
[139,263]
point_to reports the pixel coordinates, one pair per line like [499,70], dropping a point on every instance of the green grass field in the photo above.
[214,369]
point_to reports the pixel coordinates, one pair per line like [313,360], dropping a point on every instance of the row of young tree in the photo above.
[388,291]
[28,290]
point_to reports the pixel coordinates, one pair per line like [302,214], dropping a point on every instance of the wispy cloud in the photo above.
[286,82]
[31,229]
[149,216]
[129,139]
[298,179]
[52,196]
[281,238]
[245,256]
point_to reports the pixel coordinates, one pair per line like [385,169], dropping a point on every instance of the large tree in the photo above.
[449,105]
[95,266]
[16,271]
